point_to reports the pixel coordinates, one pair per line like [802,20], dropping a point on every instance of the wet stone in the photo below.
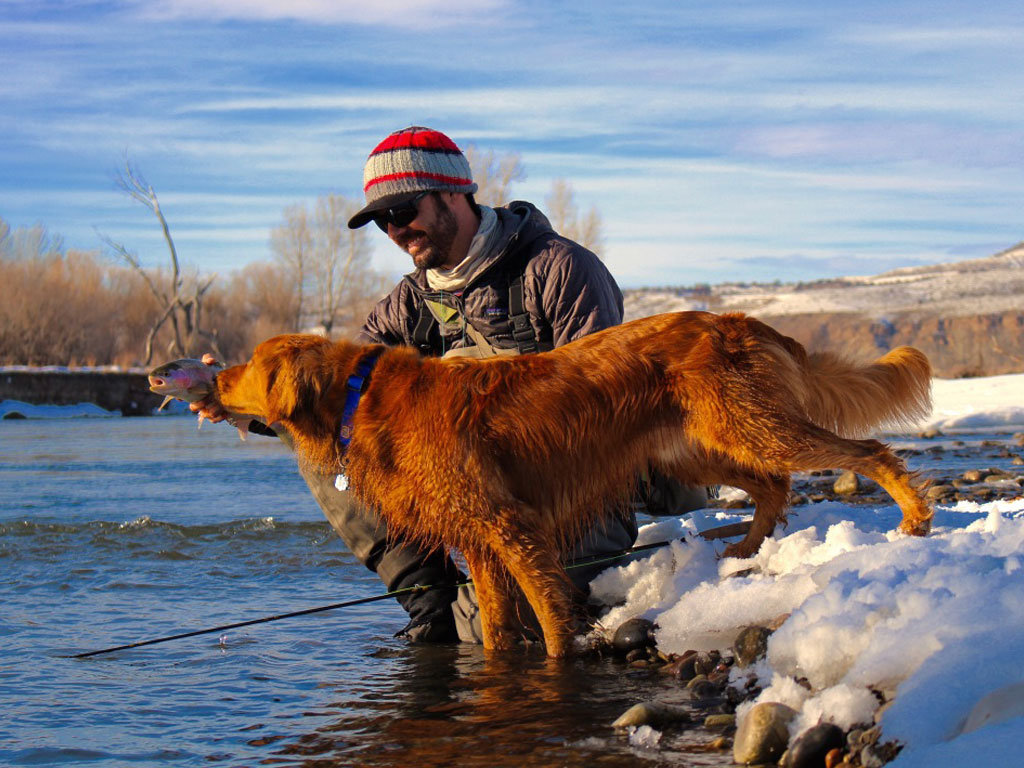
[939,492]
[705,663]
[683,667]
[633,634]
[652,713]
[637,654]
[751,644]
[720,722]
[810,747]
[719,744]
[697,680]
[763,734]
[847,484]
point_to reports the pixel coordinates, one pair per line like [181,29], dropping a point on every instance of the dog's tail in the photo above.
[851,400]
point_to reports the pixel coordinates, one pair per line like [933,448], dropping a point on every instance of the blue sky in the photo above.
[720,141]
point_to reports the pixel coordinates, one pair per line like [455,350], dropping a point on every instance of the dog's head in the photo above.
[284,378]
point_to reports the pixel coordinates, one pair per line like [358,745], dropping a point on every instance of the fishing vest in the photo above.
[443,313]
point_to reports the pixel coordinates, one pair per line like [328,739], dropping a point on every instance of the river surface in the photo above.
[118,530]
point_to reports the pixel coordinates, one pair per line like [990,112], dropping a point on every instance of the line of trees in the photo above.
[64,306]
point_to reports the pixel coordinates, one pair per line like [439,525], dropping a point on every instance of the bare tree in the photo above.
[292,244]
[566,220]
[328,263]
[181,298]
[494,174]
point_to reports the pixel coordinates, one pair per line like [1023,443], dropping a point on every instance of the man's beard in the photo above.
[438,242]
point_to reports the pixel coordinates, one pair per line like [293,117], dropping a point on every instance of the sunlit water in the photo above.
[119,530]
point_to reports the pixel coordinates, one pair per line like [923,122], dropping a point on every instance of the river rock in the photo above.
[847,484]
[763,734]
[705,663]
[633,634]
[972,475]
[682,669]
[811,746]
[751,644]
[938,492]
[651,713]
[720,722]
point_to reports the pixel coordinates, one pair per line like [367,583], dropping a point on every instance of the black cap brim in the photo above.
[367,212]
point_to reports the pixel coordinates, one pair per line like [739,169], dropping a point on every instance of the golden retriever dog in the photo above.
[509,460]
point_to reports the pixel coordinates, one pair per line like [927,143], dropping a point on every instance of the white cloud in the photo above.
[396,13]
[931,37]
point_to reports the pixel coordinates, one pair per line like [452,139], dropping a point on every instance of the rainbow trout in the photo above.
[187,379]
[191,380]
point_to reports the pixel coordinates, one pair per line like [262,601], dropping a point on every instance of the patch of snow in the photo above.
[936,623]
[12,408]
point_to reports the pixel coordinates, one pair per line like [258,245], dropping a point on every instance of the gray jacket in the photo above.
[568,293]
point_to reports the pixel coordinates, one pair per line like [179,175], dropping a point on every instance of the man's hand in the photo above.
[209,408]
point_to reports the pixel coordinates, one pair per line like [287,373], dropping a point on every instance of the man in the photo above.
[488,281]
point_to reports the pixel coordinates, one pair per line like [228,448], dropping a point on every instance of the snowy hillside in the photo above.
[989,285]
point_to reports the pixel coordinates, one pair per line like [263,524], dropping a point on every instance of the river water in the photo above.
[118,530]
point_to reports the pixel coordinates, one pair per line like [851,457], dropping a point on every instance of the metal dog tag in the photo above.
[341,483]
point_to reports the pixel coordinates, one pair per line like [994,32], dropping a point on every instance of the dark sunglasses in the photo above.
[401,215]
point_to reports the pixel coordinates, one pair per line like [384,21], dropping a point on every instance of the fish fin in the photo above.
[242,425]
[167,400]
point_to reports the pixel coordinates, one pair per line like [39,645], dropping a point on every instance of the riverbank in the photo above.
[117,392]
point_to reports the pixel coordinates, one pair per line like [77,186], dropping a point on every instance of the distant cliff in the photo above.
[968,317]
[967,345]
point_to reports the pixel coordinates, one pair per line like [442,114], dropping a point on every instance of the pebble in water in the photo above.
[633,634]
[751,644]
[651,713]
[810,747]
[763,734]
[847,485]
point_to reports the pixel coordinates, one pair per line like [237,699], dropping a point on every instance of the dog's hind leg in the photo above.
[494,596]
[820,449]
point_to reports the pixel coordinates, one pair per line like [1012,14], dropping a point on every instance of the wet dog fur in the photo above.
[510,460]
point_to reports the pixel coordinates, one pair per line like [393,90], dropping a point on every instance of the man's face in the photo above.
[429,237]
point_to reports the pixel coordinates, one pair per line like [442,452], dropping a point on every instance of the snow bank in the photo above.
[14,408]
[936,623]
[983,403]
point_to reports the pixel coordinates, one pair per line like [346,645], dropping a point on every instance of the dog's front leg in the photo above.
[771,497]
[493,594]
[536,567]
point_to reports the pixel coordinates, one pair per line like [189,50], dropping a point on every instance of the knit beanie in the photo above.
[408,162]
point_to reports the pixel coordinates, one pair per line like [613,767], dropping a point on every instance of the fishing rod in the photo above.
[725,531]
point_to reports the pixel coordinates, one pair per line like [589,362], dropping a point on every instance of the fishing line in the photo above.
[722,532]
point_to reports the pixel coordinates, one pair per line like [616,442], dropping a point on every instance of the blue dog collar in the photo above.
[356,384]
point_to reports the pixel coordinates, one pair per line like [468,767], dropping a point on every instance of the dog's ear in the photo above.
[295,375]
